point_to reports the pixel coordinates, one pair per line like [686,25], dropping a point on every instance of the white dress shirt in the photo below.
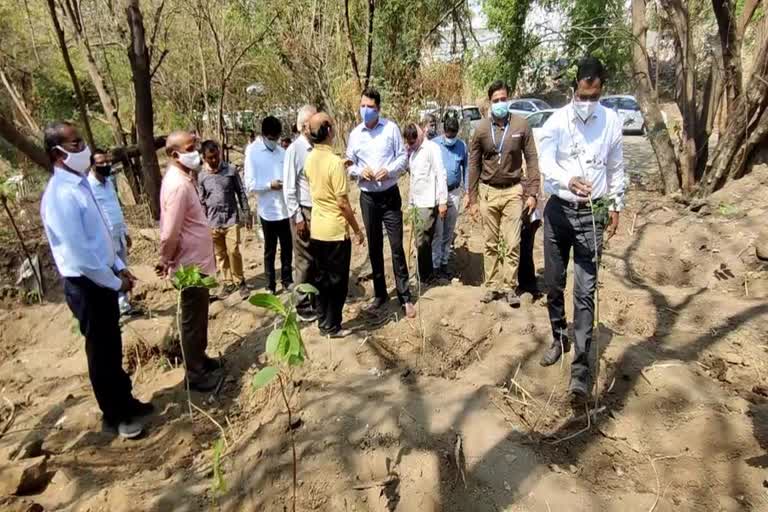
[295,184]
[78,231]
[106,196]
[262,167]
[593,150]
[380,147]
[429,184]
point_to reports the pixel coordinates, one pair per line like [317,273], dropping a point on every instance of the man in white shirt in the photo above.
[103,187]
[377,159]
[264,175]
[81,242]
[428,193]
[582,160]
[299,204]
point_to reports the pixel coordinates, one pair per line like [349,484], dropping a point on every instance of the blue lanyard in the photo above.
[501,144]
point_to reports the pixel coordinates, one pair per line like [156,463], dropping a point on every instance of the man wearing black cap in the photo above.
[582,160]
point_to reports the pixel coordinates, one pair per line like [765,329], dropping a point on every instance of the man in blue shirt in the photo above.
[455,159]
[82,247]
[377,159]
[103,187]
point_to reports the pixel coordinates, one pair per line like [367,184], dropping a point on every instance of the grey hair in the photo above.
[302,118]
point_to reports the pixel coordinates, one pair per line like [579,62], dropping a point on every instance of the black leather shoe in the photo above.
[579,389]
[555,351]
[205,382]
[139,409]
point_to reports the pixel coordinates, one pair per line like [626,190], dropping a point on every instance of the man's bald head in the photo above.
[321,128]
[180,142]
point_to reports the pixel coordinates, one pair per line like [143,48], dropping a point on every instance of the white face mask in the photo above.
[78,162]
[190,160]
[584,109]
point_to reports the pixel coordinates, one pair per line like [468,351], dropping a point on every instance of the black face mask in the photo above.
[104,170]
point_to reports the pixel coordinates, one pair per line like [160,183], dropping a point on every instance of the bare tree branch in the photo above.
[369,59]
[350,45]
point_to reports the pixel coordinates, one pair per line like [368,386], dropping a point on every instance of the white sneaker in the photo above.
[130,429]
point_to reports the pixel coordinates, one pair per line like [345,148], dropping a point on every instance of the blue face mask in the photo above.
[500,110]
[449,142]
[270,144]
[369,114]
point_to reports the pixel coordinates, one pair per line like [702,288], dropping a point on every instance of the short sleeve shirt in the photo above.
[327,182]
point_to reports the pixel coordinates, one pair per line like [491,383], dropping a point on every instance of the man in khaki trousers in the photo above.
[500,190]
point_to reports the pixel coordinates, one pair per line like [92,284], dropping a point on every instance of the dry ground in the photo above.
[682,421]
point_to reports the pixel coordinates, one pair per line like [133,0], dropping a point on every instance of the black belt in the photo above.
[574,205]
[501,187]
[451,189]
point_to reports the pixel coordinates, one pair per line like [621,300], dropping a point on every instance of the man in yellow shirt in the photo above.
[332,215]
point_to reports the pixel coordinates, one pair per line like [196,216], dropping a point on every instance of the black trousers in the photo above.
[275,230]
[302,273]
[526,274]
[567,228]
[384,210]
[194,325]
[331,272]
[98,313]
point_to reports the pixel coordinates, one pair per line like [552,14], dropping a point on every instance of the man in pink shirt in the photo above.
[185,239]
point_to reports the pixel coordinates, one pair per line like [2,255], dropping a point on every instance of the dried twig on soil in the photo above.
[524,391]
[11,416]
[588,414]
[377,483]
[458,454]
[223,433]
[507,417]
[546,407]
[651,460]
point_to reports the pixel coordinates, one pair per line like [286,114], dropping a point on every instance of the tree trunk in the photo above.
[138,57]
[27,145]
[72,75]
[677,11]
[107,104]
[369,59]
[204,77]
[351,45]
[18,102]
[646,97]
[746,127]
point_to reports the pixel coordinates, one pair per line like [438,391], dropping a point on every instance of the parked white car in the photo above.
[629,111]
[525,106]
[537,120]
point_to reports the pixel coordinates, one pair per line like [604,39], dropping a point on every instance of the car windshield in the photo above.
[628,104]
[472,114]
[541,105]
[522,105]
[608,102]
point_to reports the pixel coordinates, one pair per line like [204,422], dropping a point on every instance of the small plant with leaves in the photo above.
[285,349]
[184,278]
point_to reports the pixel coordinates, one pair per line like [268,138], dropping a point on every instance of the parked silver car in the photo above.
[525,106]
[629,111]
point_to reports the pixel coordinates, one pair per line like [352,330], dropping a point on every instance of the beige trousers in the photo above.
[226,246]
[501,209]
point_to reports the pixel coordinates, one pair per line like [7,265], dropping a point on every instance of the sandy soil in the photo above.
[450,412]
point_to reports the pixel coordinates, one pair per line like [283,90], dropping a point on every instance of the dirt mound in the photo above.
[449,411]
